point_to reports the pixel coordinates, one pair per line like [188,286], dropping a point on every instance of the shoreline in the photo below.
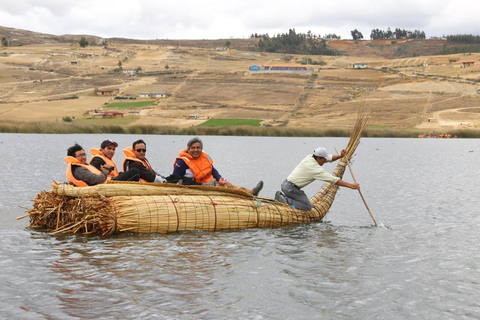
[72,128]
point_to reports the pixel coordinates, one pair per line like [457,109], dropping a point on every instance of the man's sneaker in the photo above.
[280,197]
[257,189]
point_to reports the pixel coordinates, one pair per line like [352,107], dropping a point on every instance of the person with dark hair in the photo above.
[82,174]
[193,166]
[307,171]
[135,158]
[103,156]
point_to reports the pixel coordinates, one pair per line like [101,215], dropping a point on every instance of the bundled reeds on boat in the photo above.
[161,208]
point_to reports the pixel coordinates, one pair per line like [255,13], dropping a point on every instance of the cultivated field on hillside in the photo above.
[48,82]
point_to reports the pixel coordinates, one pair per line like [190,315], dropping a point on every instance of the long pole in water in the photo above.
[360,192]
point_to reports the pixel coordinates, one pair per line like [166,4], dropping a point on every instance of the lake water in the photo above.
[422,262]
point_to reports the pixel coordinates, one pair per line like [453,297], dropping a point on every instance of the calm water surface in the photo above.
[421,263]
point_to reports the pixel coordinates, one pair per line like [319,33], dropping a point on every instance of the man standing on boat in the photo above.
[307,171]
[135,158]
[193,166]
[82,174]
[103,156]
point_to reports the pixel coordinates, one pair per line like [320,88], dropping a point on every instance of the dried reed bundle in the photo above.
[62,214]
[323,199]
[163,214]
[122,188]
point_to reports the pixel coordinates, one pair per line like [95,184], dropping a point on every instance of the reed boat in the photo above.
[120,207]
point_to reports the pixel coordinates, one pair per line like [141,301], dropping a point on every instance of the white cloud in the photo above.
[213,19]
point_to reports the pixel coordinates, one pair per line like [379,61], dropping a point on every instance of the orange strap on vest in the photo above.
[130,156]
[201,167]
[72,161]
[96,152]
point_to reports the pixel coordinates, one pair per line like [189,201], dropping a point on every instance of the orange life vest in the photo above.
[72,161]
[201,167]
[96,152]
[130,156]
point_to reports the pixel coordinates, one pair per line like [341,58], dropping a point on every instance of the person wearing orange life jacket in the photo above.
[196,167]
[135,158]
[103,156]
[79,172]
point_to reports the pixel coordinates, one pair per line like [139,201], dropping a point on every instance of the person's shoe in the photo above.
[280,197]
[257,189]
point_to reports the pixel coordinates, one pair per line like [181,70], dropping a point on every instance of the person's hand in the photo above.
[355,186]
[343,153]
[107,169]
[222,181]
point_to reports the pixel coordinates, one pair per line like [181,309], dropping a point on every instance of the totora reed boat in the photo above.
[118,207]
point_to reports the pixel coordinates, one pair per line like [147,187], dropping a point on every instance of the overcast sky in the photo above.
[215,19]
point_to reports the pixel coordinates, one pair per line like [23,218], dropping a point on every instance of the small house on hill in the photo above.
[254,67]
[468,63]
[131,72]
[360,66]
[112,114]
[107,92]
[287,68]
[153,95]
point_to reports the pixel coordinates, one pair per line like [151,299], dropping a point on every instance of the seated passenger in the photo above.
[103,156]
[135,158]
[82,174]
[193,166]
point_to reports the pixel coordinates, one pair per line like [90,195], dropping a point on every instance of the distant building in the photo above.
[468,63]
[286,67]
[291,68]
[452,60]
[254,67]
[153,95]
[112,114]
[74,62]
[360,66]
[131,72]
[107,92]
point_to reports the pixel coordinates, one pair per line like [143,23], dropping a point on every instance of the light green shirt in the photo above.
[308,171]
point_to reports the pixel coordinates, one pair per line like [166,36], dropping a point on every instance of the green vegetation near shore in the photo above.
[130,105]
[84,128]
[231,122]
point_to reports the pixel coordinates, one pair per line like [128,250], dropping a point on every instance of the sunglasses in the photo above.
[141,150]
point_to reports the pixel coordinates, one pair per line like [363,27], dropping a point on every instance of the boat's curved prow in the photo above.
[323,199]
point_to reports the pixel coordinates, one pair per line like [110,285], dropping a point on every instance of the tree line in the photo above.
[463,38]
[377,34]
[294,43]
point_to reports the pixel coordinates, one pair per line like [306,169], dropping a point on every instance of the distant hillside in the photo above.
[365,48]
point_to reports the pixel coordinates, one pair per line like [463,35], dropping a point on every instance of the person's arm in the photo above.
[348,185]
[145,174]
[342,154]
[216,174]
[97,162]
[89,177]
[179,168]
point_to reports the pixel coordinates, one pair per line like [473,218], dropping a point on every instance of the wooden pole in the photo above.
[360,192]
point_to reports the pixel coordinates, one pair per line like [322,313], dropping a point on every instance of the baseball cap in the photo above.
[108,142]
[322,152]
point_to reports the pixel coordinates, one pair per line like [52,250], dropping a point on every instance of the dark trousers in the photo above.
[295,196]
[130,175]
